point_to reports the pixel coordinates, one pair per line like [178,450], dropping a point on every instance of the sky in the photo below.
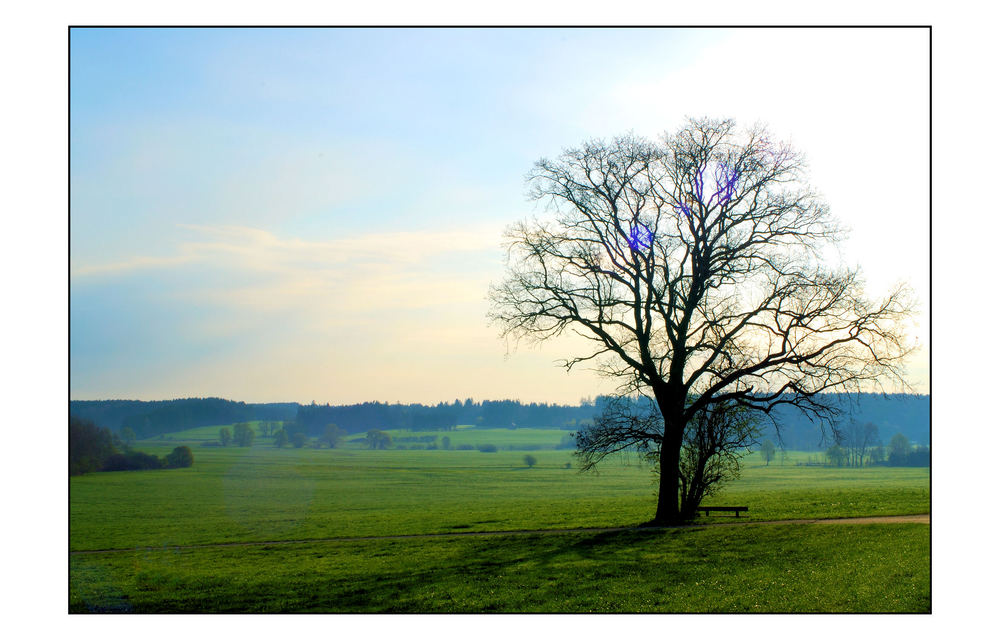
[316,215]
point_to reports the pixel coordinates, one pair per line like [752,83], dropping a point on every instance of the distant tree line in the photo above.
[860,446]
[93,448]
[242,434]
[507,414]
[905,413]
[149,419]
[903,454]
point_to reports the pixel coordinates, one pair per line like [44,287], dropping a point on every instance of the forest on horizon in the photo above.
[908,414]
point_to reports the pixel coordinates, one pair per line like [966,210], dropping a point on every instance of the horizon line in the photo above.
[449,402]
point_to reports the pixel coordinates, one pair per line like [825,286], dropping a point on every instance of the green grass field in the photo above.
[766,568]
[262,494]
[461,435]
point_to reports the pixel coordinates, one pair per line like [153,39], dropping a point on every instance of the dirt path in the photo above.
[729,522]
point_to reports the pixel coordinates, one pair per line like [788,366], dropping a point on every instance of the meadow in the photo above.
[167,531]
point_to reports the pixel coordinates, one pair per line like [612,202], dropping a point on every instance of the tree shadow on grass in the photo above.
[592,547]
[490,574]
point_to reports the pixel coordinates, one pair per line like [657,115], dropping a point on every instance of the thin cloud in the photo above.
[262,250]
[264,272]
[133,264]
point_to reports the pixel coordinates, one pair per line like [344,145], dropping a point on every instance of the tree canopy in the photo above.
[243,434]
[377,439]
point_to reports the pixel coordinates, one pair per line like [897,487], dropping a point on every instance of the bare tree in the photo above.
[694,267]
[767,452]
[376,439]
[332,436]
[857,440]
[836,456]
[280,438]
[243,434]
[128,437]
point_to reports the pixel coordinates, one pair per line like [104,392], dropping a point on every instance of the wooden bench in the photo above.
[735,510]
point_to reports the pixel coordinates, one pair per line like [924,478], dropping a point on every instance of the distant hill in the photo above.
[908,414]
[903,413]
[507,414]
[152,418]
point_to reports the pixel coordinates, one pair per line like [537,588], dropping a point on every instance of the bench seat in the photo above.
[736,510]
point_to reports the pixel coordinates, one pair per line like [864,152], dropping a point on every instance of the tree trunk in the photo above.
[667,511]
